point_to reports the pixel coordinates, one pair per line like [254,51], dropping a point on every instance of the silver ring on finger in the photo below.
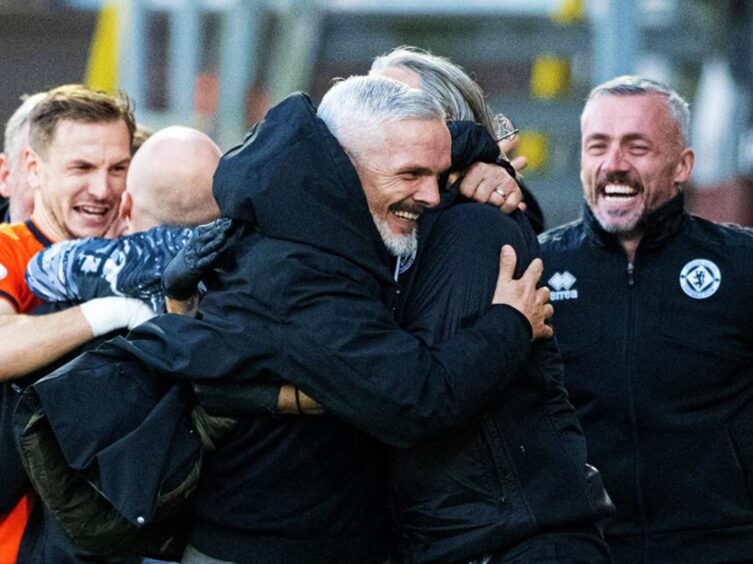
[500,192]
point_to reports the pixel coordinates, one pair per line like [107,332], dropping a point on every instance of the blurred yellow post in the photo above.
[535,146]
[550,77]
[571,11]
[102,67]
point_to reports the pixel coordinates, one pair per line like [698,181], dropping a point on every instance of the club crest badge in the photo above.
[3,272]
[700,278]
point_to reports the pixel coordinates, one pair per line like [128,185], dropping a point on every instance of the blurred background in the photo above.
[219,64]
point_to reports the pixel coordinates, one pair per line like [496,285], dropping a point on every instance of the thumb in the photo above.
[507,262]
[519,162]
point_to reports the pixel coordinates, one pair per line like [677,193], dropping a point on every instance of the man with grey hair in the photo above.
[14,184]
[653,318]
[463,99]
[305,293]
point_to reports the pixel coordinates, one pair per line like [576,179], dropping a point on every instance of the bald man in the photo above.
[168,191]
[170,181]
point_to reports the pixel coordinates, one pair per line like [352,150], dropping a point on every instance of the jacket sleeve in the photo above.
[345,350]
[84,269]
[309,320]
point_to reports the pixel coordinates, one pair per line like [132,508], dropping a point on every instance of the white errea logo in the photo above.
[700,278]
[562,284]
[3,272]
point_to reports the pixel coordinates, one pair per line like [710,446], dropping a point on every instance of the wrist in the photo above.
[103,315]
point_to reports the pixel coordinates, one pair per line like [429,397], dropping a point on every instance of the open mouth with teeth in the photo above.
[93,211]
[406,214]
[619,192]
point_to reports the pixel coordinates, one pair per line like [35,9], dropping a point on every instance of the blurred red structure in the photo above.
[728,202]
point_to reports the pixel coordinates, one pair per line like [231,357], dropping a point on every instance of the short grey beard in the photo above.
[397,245]
[622,232]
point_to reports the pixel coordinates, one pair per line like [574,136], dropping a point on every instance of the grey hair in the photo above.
[629,85]
[12,142]
[359,104]
[460,96]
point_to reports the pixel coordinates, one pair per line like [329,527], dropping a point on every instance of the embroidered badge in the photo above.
[562,283]
[3,272]
[700,278]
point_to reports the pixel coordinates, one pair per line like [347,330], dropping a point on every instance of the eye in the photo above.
[408,176]
[596,147]
[638,149]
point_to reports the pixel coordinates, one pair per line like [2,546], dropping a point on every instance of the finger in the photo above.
[213,244]
[534,271]
[471,180]
[512,199]
[542,295]
[519,163]
[486,188]
[507,145]
[507,261]
[522,206]
[498,198]
[547,332]
[548,311]
[206,261]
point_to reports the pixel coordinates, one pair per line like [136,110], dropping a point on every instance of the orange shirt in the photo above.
[18,243]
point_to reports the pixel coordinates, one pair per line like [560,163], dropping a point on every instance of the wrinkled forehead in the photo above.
[618,115]
[420,136]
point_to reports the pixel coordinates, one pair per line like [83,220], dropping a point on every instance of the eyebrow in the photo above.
[628,137]
[79,162]
[417,170]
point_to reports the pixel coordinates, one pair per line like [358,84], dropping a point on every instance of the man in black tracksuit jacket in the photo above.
[653,320]
[511,484]
[305,292]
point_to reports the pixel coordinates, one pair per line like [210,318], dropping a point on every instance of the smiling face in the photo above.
[398,170]
[633,160]
[79,178]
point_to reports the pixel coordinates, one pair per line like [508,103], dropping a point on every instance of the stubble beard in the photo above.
[397,245]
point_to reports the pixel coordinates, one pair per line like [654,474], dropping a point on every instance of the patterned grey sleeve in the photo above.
[84,269]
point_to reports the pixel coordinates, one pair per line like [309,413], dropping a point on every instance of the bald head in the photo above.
[170,181]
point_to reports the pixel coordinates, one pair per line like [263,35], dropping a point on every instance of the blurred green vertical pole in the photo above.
[295,47]
[615,37]
[184,58]
[238,68]
[132,47]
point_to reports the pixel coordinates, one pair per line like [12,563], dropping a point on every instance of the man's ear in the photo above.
[4,172]
[126,204]
[31,160]
[684,169]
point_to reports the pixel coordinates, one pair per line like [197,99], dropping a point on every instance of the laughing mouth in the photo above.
[406,214]
[95,211]
[619,192]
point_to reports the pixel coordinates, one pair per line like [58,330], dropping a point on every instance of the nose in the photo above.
[428,194]
[99,185]
[614,161]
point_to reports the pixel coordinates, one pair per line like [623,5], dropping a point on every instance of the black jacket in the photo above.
[659,363]
[305,291]
[518,469]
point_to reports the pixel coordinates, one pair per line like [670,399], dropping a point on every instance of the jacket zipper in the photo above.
[629,360]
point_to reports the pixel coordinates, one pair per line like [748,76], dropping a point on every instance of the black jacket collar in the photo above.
[291,180]
[660,225]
